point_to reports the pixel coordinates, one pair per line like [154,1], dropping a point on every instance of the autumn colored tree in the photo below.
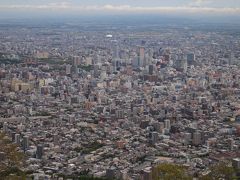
[220,171]
[168,171]
[12,160]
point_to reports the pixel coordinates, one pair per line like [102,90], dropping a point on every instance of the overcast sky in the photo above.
[213,7]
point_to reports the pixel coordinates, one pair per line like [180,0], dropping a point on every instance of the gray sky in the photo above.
[213,7]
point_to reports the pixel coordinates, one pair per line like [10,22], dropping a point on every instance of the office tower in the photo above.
[231,59]
[154,137]
[55,139]
[187,138]
[75,69]
[196,138]
[236,163]
[167,124]
[68,69]
[181,63]
[150,70]
[161,126]
[147,59]
[76,61]
[17,139]
[115,55]
[135,62]
[142,62]
[39,152]
[30,110]
[97,59]
[157,127]
[5,127]
[13,136]
[25,143]
[208,144]
[2,156]
[120,114]
[231,144]
[190,58]
[103,75]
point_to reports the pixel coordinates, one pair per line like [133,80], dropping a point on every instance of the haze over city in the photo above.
[26,8]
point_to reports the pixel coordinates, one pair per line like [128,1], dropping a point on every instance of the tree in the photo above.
[220,171]
[170,172]
[13,159]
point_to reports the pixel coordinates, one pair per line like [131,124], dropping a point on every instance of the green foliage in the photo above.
[43,113]
[107,156]
[141,158]
[9,61]
[170,172]
[85,178]
[220,171]
[78,149]
[87,68]
[13,161]
[52,61]
[89,147]
[81,176]
[13,173]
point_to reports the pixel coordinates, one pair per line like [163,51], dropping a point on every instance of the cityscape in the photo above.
[119,98]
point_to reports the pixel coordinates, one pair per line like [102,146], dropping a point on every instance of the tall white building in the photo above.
[68,69]
[167,124]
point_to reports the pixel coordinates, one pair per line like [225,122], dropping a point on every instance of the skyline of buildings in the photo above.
[115,101]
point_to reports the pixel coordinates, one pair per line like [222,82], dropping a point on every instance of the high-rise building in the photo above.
[68,69]
[142,62]
[154,137]
[115,55]
[120,114]
[2,156]
[208,144]
[76,61]
[5,127]
[13,136]
[187,138]
[135,62]
[167,124]
[25,143]
[231,144]
[55,139]
[236,163]
[161,126]
[197,138]
[39,152]
[190,58]
[150,70]
[17,139]
[231,59]
[181,63]
[157,127]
